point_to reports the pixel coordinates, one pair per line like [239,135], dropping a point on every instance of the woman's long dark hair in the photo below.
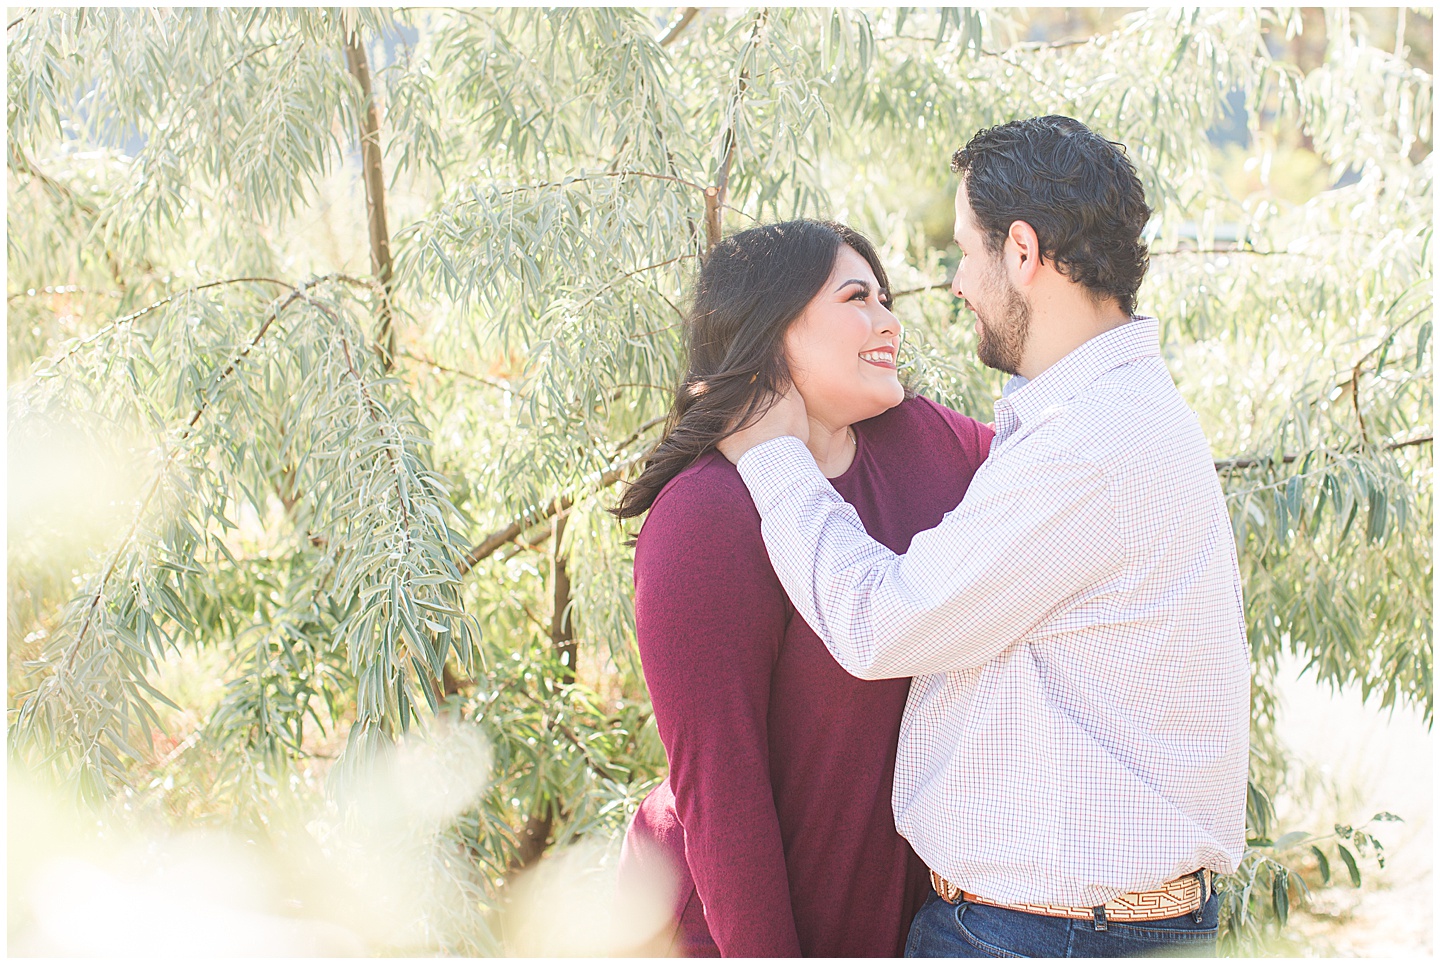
[752,287]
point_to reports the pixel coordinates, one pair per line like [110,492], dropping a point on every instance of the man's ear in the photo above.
[1022,253]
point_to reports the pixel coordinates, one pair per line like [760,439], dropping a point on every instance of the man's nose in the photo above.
[955,284]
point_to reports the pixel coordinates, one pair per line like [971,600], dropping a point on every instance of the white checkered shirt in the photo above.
[1079,722]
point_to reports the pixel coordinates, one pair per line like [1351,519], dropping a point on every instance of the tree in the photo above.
[374,471]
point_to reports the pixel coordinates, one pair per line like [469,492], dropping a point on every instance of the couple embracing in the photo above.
[927,686]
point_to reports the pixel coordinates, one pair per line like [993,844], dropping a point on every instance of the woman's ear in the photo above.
[1022,253]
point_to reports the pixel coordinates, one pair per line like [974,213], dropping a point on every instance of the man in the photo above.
[1072,764]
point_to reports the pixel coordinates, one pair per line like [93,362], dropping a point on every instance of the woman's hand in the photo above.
[786,416]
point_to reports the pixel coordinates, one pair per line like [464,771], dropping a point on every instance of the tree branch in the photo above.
[712,217]
[1406,443]
[1250,463]
[922,288]
[296,292]
[742,84]
[1355,399]
[564,730]
[50,184]
[64,192]
[523,522]
[644,428]
[623,276]
[60,290]
[127,319]
[1059,96]
[381,264]
[1042,45]
[1025,46]
[1153,254]
[580,179]
[374,412]
[595,765]
[715,196]
[677,26]
[1232,251]
[562,634]
[627,275]
[483,380]
[436,687]
[531,540]
[559,504]
[1359,368]
[1209,251]
[238,61]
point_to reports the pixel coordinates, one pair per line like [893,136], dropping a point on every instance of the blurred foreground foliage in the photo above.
[332,331]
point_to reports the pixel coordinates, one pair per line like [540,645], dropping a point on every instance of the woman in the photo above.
[776,813]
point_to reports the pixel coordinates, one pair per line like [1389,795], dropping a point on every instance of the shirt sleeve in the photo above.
[1026,541]
[710,618]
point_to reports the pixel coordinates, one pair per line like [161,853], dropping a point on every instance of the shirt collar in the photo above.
[1025,399]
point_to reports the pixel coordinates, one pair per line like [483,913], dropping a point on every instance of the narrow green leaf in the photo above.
[1323,863]
[1350,864]
[1280,894]
[1289,840]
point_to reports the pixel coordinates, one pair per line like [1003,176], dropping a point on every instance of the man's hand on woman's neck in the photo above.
[786,417]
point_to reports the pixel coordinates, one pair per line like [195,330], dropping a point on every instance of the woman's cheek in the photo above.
[831,385]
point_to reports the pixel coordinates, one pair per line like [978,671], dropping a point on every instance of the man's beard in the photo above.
[1002,345]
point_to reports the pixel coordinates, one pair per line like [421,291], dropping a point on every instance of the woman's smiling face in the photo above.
[842,349]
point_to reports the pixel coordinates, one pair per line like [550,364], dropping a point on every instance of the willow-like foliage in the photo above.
[373,547]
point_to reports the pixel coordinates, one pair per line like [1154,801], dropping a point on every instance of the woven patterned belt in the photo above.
[1183,896]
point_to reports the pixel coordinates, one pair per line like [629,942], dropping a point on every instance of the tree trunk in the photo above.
[381,265]
[535,836]
[562,635]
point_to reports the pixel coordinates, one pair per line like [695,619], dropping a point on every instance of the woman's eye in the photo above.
[861,294]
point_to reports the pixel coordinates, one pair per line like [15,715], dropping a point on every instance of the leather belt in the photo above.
[1183,896]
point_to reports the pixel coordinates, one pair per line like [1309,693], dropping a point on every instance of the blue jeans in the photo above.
[970,930]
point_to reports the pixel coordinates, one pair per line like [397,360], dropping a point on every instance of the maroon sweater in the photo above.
[776,813]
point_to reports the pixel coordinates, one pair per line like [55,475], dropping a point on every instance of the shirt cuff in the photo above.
[776,468]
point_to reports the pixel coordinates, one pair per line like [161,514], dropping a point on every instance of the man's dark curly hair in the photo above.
[1076,189]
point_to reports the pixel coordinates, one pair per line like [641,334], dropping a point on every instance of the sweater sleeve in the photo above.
[710,616]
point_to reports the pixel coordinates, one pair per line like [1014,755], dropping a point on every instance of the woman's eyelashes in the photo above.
[863,293]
